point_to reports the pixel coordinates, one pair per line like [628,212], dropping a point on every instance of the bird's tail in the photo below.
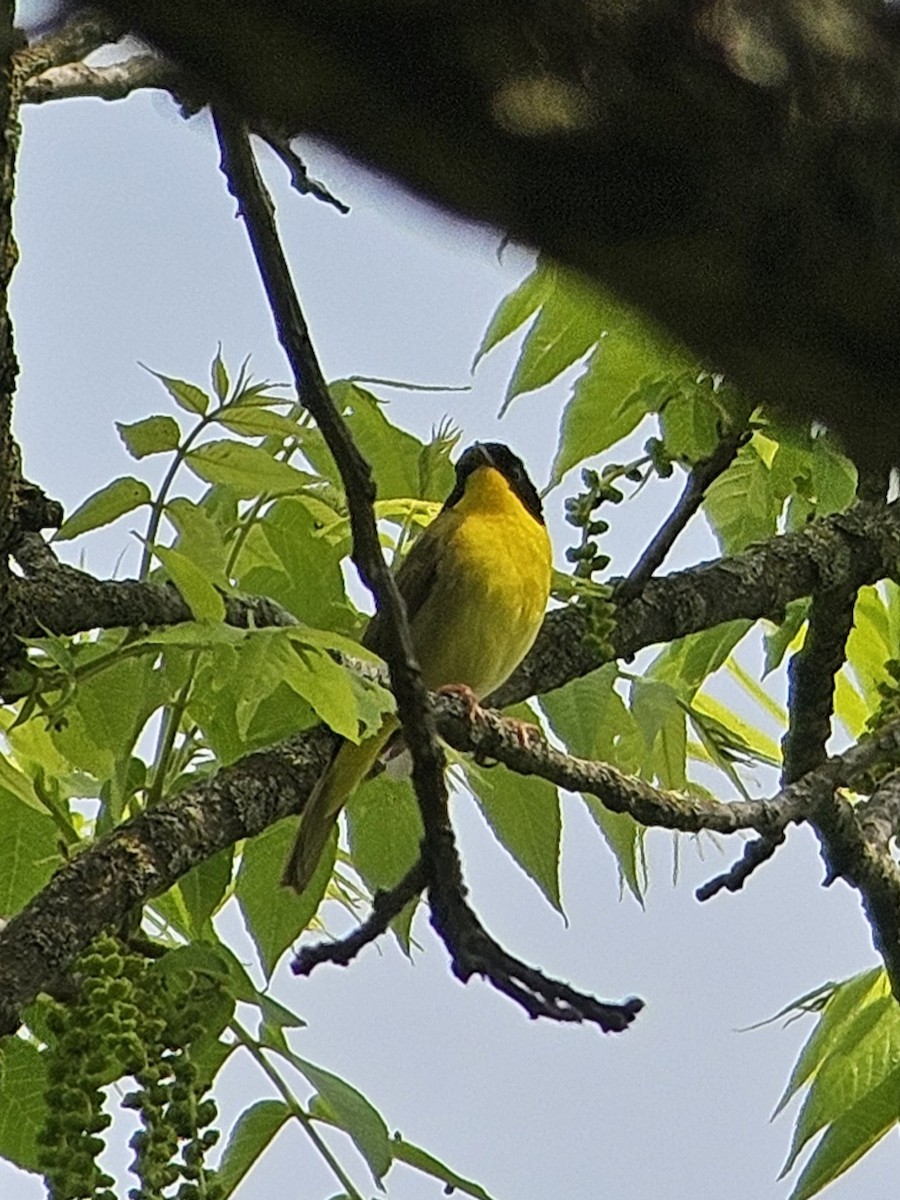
[347,769]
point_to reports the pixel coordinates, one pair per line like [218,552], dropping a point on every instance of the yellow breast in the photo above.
[491,589]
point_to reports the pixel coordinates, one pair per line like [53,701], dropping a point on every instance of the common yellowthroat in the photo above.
[476,584]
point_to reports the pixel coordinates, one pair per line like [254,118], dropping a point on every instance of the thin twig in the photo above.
[114,81]
[699,479]
[385,906]
[470,948]
[811,677]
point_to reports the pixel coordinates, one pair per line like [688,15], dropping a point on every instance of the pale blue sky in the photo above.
[130,253]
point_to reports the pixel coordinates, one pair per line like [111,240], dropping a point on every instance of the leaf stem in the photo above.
[254,1049]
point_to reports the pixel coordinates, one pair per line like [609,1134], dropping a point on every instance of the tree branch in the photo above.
[112,82]
[83,33]
[55,598]
[701,476]
[470,947]
[845,550]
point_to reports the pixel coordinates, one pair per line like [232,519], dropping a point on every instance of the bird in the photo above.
[476,584]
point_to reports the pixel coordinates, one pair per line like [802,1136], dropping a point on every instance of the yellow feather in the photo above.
[479,619]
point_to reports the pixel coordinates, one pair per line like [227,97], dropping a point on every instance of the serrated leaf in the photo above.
[200,538]
[779,641]
[29,851]
[204,888]
[384,829]
[111,502]
[252,1134]
[186,395]
[523,814]
[850,1137]
[253,421]
[219,376]
[276,916]
[353,1113]
[689,424]
[247,470]
[289,558]
[849,706]
[568,324]
[866,1053]
[23,1107]
[514,310]
[196,635]
[687,663]
[421,1160]
[287,656]
[153,435]
[203,599]
[869,645]
[661,720]
[589,717]
[402,465]
[741,505]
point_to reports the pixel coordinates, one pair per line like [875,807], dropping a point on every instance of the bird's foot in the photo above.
[463,692]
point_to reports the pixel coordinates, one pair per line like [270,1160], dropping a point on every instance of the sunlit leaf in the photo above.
[276,916]
[203,599]
[248,470]
[153,435]
[23,1104]
[111,502]
[253,1132]
[523,813]
[186,395]
[421,1160]
[354,1113]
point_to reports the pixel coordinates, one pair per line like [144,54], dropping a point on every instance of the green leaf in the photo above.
[782,636]
[421,1160]
[258,422]
[568,324]
[687,663]
[29,851]
[252,1134]
[604,407]
[661,719]
[515,309]
[689,423]
[203,599]
[353,1113]
[864,1056]
[219,376]
[204,888]
[523,814]
[589,717]
[186,395]
[276,916]
[153,435]
[384,830]
[23,1108]
[290,559]
[248,470]
[402,465]
[111,502]
[106,715]
[200,538]
[850,1137]
[287,655]
[869,644]
[741,505]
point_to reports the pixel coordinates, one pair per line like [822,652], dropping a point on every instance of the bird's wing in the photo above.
[416,577]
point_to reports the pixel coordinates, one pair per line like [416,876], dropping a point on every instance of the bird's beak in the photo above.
[481,454]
